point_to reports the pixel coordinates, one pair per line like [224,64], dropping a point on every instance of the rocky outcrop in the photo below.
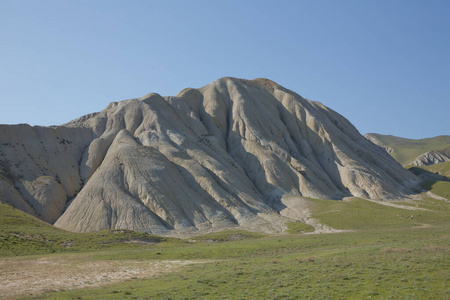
[209,158]
[377,142]
[389,150]
[41,167]
[430,158]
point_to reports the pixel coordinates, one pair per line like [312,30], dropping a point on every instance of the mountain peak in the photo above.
[262,82]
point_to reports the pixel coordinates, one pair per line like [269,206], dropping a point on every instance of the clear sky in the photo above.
[384,65]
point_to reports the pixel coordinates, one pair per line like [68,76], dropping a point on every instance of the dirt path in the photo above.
[31,276]
[386,203]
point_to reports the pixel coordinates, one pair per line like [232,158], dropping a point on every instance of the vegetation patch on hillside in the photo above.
[298,227]
[442,169]
[440,188]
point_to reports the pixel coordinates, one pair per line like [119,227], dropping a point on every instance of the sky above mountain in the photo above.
[384,65]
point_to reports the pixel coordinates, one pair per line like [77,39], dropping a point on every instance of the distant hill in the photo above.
[420,152]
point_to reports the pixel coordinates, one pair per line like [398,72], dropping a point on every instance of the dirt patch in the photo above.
[31,276]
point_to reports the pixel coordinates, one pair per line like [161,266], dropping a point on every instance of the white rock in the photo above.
[217,157]
[430,158]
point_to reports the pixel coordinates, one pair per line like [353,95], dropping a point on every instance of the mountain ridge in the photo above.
[215,157]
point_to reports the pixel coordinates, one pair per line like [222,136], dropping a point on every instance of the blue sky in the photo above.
[384,65]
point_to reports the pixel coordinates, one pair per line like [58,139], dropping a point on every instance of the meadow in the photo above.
[386,253]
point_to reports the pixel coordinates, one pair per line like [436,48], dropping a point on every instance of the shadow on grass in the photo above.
[427,175]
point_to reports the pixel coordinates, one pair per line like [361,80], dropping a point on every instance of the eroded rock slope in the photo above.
[216,157]
[430,158]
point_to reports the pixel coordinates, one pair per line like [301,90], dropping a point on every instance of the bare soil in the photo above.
[31,276]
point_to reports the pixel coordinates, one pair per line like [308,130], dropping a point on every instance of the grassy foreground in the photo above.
[387,255]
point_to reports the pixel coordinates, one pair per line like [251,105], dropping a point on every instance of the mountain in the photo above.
[420,152]
[216,157]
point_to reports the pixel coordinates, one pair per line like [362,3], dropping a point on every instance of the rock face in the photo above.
[39,167]
[430,158]
[210,158]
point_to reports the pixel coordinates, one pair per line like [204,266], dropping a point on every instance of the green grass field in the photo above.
[396,265]
[385,255]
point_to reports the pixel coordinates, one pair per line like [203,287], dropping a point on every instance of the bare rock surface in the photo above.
[430,158]
[221,156]
[42,164]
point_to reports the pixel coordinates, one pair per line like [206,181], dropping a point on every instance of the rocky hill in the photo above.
[430,158]
[216,157]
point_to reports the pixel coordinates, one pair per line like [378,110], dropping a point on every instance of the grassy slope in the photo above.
[22,234]
[388,255]
[440,188]
[441,168]
[406,150]
[359,214]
